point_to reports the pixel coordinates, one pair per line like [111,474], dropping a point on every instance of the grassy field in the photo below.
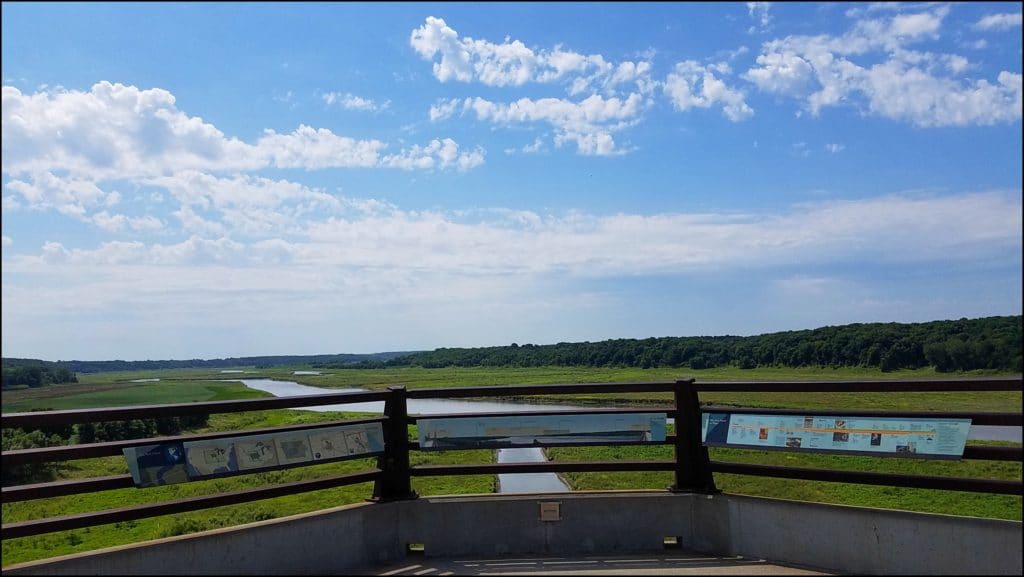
[116,389]
[110,389]
[115,394]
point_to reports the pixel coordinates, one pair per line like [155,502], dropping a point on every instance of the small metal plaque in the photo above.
[551,511]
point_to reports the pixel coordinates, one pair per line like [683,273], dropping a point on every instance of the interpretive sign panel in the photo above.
[879,436]
[169,463]
[546,430]
[152,465]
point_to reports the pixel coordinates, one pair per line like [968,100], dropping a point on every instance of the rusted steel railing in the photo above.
[693,470]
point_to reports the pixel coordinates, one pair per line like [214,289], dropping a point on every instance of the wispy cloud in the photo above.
[348,233]
[534,147]
[589,123]
[760,13]
[693,85]
[349,101]
[999,21]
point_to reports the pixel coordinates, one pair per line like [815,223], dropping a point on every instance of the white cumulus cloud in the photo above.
[444,109]
[442,154]
[873,63]
[118,131]
[692,85]
[512,63]
[588,123]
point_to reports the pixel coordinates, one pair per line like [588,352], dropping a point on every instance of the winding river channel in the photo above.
[521,482]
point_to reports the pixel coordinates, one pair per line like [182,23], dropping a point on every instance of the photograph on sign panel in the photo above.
[501,432]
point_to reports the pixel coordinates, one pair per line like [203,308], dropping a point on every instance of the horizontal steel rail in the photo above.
[66,487]
[977,417]
[49,418]
[974,452]
[680,463]
[595,411]
[66,522]
[870,478]
[990,453]
[114,448]
[669,439]
[520,390]
[919,385]
[546,467]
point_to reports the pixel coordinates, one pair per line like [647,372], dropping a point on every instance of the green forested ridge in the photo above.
[264,361]
[35,373]
[992,343]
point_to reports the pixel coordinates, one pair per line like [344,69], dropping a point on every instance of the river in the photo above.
[520,482]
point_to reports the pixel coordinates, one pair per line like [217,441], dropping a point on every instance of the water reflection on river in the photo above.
[414,406]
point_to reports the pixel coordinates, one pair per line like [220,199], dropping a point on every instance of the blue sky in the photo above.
[210,180]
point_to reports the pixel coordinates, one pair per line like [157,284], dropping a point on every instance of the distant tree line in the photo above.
[34,373]
[259,362]
[956,345]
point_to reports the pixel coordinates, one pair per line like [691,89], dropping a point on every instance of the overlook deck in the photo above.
[538,532]
[731,533]
[627,564]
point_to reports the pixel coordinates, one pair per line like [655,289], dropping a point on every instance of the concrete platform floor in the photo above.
[675,563]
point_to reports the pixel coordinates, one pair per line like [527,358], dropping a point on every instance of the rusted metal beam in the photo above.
[615,411]
[562,389]
[67,487]
[993,453]
[693,467]
[880,386]
[394,482]
[547,467]
[48,418]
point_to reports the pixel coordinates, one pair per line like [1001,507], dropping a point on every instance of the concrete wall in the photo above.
[871,541]
[834,538]
[323,542]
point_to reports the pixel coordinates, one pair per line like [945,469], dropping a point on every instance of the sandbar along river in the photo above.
[520,482]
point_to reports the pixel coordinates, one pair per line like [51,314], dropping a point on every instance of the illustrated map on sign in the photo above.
[335,444]
[167,463]
[893,436]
